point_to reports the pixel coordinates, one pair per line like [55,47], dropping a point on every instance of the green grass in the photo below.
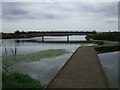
[13,59]
[17,80]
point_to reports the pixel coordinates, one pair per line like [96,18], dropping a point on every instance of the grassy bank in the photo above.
[13,59]
[17,80]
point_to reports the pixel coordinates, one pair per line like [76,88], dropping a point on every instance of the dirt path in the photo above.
[83,70]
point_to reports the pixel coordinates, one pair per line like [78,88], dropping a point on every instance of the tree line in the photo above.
[110,36]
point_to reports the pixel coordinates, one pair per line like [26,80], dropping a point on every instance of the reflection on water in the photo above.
[110,64]
[31,45]
[46,38]
[43,70]
[62,38]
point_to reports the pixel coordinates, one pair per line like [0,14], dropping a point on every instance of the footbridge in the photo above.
[83,69]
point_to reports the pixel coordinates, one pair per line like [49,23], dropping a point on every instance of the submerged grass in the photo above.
[10,60]
[17,80]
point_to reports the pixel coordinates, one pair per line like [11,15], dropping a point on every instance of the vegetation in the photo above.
[8,61]
[16,34]
[12,35]
[21,34]
[17,80]
[110,36]
[14,52]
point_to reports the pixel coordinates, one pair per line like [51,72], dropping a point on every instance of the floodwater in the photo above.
[109,62]
[45,69]
[31,45]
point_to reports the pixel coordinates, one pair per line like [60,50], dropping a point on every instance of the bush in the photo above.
[109,36]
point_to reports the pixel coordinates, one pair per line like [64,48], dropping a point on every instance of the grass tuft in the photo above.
[17,80]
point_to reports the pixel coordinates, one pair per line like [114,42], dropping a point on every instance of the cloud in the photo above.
[13,11]
[54,10]
[0,16]
[71,14]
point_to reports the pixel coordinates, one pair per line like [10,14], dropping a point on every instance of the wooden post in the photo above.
[42,38]
[68,38]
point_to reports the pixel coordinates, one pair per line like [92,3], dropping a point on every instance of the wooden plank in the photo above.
[83,70]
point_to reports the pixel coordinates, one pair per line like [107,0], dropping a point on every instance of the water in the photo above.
[31,45]
[45,69]
[109,62]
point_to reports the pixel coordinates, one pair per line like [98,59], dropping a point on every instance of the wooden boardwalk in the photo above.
[82,70]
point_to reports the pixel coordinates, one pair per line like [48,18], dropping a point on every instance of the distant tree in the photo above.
[94,31]
[110,36]
[17,32]
[22,32]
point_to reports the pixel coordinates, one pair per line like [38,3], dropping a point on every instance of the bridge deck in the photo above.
[83,70]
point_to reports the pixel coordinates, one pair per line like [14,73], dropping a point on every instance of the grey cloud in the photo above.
[59,16]
[100,11]
[13,8]
[51,10]
[13,11]
[101,8]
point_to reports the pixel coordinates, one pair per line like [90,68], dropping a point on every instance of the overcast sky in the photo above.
[26,16]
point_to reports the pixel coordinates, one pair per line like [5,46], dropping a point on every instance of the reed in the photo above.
[14,52]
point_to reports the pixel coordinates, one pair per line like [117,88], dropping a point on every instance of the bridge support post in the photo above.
[68,38]
[42,38]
